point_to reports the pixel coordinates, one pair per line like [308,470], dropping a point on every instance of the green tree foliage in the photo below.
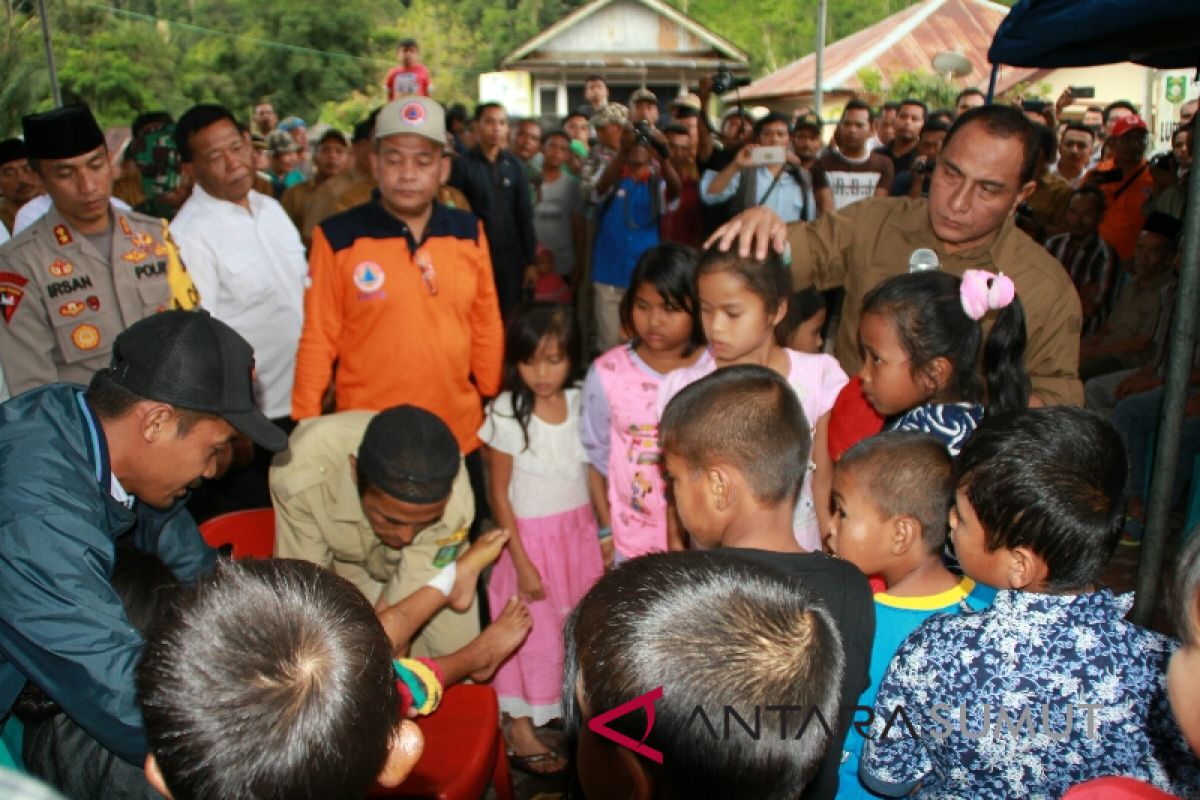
[326,59]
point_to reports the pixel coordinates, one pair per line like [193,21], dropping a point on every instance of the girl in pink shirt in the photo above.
[742,300]
[620,420]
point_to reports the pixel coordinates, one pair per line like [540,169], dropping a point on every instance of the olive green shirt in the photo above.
[861,245]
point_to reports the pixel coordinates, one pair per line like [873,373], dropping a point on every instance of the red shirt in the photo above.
[403,80]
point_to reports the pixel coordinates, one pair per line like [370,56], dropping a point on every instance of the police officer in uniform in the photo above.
[85,271]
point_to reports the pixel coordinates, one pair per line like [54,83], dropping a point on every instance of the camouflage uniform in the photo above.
[157,160]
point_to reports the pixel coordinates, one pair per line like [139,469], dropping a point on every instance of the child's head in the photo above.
[1183,687]
[920,339]
[712,631]
[733,440]
[541,349]
[891,499]
[741,302]
[660,309]
[1039,499]
[801,326]
[271,679]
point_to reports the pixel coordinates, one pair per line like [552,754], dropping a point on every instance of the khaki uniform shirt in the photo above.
[296,199]
[866,242]
[319,518]
[1135,313]
[62,303]
[334,195]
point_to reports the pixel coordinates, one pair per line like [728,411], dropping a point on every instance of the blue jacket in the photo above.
[62,625]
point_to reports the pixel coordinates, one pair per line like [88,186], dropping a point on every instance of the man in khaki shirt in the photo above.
[984,172]
[386,512]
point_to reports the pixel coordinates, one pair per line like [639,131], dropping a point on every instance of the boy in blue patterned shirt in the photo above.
[1050,686]
[891,514]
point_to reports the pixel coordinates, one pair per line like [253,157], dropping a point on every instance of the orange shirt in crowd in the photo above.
[1123,199]
[405,322]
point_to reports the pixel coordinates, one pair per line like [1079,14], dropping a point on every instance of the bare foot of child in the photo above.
[485,550]
[498,640]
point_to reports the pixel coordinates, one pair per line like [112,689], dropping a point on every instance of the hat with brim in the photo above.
[809,120]
[642,96]
[62,133]
[194,361]
[280,142]
[1131,122]
[686,101]
[610,114]
[413,114]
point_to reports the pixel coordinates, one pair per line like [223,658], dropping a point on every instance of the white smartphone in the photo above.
[761,156]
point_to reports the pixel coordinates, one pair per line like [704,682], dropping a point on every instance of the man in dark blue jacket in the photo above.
[83,468]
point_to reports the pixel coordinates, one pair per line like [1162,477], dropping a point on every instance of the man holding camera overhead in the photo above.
[632,193]
[767,173]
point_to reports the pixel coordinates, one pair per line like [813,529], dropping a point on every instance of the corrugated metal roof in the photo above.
[905,41]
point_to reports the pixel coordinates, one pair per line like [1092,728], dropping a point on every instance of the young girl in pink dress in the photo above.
[539,492]
[742,300]
[620,421]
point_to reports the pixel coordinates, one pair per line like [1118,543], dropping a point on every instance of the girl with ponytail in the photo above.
[922,344]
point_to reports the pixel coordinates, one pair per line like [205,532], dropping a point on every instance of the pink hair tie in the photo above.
[981,291]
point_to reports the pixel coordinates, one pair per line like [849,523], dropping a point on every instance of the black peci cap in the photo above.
[409,454]
[62,133]
[193,361]
[11,150]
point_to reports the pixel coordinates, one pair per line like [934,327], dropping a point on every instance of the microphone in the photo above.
[923,260]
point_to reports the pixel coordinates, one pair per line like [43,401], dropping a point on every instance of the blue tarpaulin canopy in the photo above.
[1082,33]
[1164,34]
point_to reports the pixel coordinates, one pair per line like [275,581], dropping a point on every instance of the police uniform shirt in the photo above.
[62,303]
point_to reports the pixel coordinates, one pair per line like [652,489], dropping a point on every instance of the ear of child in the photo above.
[935,376]
[154,776]
[407,745]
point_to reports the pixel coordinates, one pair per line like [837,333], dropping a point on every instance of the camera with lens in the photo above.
[644,135]
[723,81]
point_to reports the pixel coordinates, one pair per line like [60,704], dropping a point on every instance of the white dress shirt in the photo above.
[36,208]
[250,268]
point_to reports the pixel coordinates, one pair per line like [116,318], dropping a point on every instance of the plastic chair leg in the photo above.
[501,777]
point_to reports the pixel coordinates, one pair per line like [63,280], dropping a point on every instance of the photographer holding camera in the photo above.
[636,187]
[766,173]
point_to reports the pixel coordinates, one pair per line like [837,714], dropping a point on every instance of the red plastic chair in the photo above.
[463,750]
[251,532]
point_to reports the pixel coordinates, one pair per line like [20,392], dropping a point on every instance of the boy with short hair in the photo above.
[273,679]
[891,513]
[1050,686]
[410,76]
[685,635]
[736,445]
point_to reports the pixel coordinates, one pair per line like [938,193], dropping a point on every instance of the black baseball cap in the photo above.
[194,361]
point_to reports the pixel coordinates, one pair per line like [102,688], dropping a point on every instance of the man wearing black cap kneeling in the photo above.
[81,469]
[382,500]
[85,271]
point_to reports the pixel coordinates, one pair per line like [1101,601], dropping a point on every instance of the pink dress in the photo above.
[623,444]
[549,495]
[817,380]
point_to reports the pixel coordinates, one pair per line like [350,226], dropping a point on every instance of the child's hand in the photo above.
[529,583]
[607,552]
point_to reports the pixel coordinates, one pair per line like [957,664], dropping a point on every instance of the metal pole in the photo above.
[1170,428]
[820,90]
[992,84]
[49,54]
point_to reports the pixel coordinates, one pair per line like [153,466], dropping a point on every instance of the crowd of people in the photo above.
[635,407]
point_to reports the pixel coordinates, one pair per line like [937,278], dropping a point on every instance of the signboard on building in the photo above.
[512,89]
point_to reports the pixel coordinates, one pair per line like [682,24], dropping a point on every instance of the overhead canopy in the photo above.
[1084,33]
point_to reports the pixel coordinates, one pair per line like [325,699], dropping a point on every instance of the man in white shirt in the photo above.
[243,252]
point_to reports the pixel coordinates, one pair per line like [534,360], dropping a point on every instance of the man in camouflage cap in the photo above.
[163,184]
